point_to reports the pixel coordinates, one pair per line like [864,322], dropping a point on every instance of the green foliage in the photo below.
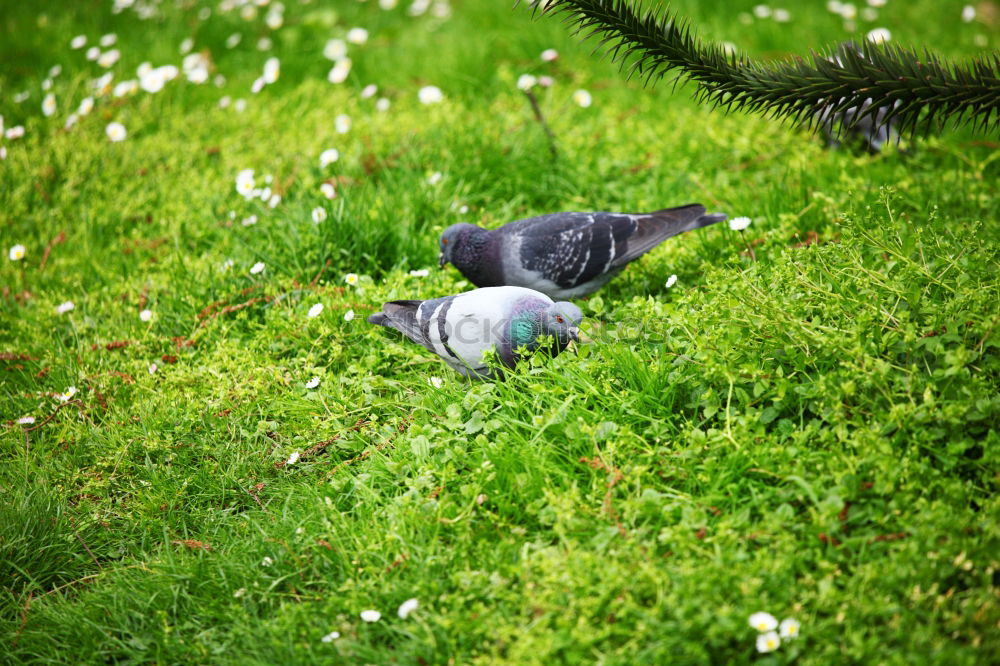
[917,90]
[812,433]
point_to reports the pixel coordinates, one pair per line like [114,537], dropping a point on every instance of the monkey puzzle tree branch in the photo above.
[916,92]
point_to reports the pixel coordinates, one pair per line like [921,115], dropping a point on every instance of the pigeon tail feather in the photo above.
[658,226]
[401,316]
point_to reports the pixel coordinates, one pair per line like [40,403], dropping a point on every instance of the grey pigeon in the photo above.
[564,255]
[460,328]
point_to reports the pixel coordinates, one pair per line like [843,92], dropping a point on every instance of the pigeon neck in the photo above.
[477,258]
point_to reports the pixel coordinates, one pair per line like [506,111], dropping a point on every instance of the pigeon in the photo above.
[563,255]
[460,328]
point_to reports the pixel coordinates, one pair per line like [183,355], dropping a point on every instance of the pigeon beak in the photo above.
[441,260]
[574,333]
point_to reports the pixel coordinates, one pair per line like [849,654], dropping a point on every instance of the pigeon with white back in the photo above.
[461,328]
[564,255]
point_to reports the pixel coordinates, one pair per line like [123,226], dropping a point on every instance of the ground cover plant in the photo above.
[209,456]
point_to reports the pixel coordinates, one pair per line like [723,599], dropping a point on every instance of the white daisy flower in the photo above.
[86,106]
[15,132]
[331,637]
[762,11]
[546,81]
[26,420]
[338,73]
[789,628]
[768,642]
[152,368]
[434,178]
[274,200]
[78,42]
[272,68]
[869,14]
[357,36]
[186,45]
[877,3]
[388,5]
[548,55]
[109,58]
[116,132]
[315,310]
[227,265]
[328,157]
[93,53]
[328,190]
[264,44]
[335,49]
[878,35]
[16,252]
[47,84]
[123,88]
[108,39]
[240,105]
[968,14]
[67,394]
[152,81]
[423,272]
[527,81]
[146,315]
[430,95]
[318,214]
[257,85]
[369,91]
[71,120]
[382,104]
[249,221]
[49,105]
[739,223]
[671,281]
[763,622]
[257,268]
[371,615]
[245,182]
[419,7]
[351,279]
[198,75]
[436,382]
[848,11]
[274,19]
[65,307]
[342,123]
[3,152]
[266,562]
[406,608]
[349,315]
[782,15]
[582,98]
[233,39]
[225,101]
[312,383]
[293,458]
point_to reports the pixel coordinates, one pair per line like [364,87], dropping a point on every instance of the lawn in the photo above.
[199,468]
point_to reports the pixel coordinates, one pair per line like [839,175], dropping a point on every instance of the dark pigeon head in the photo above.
[451,238]
[562,321]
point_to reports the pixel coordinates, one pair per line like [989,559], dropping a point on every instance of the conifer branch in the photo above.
[912,91]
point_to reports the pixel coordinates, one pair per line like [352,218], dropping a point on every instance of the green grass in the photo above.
[812,432]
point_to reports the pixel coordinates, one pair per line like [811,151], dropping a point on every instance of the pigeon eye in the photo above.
[559,318]
[444,241]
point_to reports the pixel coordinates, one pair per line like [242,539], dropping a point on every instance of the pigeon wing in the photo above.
[572,248]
